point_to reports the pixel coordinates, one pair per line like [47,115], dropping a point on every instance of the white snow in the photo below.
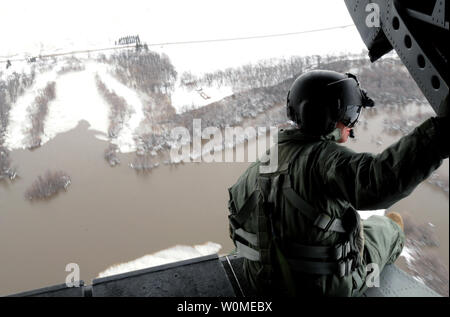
[19,119]
[173,254]
[77,98]
[19,67]
[364,214]
[408,254]
[125,140]
[203,20]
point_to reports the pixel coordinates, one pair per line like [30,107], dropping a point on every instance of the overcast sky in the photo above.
[27,26]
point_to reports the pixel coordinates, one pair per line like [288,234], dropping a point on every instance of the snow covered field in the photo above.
[77,98]
[19,119]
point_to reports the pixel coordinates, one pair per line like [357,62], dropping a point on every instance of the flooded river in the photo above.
[114,215]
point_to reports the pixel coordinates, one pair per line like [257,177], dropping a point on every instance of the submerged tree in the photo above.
[143,164]
[110,155]
[6,171]
[48,185]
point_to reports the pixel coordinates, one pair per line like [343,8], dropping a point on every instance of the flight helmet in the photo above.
[318,99]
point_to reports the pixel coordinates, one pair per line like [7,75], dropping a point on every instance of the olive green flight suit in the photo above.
[330,177]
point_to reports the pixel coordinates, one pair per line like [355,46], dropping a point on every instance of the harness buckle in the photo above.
[345,267]
[323,221]
[341,250]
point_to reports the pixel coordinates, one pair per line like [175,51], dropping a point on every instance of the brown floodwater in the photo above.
[114,215]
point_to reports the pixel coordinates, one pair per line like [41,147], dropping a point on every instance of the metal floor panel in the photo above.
[203,276]
[209,276]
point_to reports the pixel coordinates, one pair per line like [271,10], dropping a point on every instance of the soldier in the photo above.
[297,226]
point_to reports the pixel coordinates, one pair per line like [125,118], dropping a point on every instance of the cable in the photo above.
[251,37]
[191,42]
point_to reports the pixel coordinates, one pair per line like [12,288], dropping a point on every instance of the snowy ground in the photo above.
[19,67]
[77,99]
[19,119]
[173,254]
[125,140]
[364,214]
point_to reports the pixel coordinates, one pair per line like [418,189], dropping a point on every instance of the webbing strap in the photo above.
[247,236]
[337,226]
[359,282]
[247,252]
[249,206]
[342,268]
[320,220]
[337,252]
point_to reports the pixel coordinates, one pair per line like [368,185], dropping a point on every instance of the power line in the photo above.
[251,37]
[190,42]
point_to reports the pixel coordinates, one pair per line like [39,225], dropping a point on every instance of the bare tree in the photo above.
[143,164]
[48,185]
[110,155]
[6,171]
[72,64]
[147,71]
[119,108]
[13,87]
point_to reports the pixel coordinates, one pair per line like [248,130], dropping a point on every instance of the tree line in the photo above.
[71,64]
[38,112]
[119,113]
[130,39]
[147,71]
[387,81]
[12,88]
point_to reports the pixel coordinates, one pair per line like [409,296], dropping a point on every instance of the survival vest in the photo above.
[253,232]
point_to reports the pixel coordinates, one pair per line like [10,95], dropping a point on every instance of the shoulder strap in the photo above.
[244,212]
[321,220]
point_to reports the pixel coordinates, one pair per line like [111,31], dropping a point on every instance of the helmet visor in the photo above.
[351,100]
[351,116]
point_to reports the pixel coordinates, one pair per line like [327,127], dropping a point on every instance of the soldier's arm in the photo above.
[370,181]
